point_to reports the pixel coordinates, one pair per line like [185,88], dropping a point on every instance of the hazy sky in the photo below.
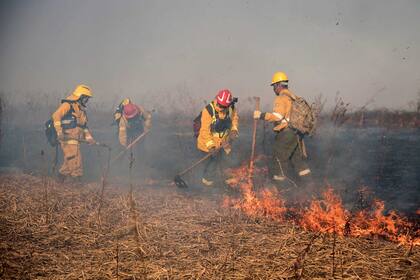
[360,48]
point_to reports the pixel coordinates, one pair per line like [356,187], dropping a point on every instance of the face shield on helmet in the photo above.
[84,100]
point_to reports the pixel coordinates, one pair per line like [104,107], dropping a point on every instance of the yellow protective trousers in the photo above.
[72,162]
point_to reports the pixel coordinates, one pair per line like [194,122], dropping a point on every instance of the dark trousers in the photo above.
[213,167]
[287,155]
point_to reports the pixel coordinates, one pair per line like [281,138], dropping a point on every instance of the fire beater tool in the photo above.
[179,182]
[90,143]
[137,140]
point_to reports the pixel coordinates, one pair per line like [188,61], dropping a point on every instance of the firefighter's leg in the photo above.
[300,162]
[210,168]
[284,144]
[67,154]
[72,162]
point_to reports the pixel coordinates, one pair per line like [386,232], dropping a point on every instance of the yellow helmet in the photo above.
[125,101]
[82,90]
[279,77]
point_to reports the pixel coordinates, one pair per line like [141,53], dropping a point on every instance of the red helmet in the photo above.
[224,97]
[130,111]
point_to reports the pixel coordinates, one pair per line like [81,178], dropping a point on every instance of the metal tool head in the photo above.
[179,182]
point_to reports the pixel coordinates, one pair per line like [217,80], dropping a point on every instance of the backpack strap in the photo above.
[70,102]
[212,111]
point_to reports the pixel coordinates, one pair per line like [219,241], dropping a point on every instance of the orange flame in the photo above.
[265,203]
[323,215]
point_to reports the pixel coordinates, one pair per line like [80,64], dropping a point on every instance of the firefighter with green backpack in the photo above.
[293,119]
[215,126]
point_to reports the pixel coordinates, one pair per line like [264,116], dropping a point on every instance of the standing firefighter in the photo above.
[132,121]
[289,150]
[218,124]
[70,123]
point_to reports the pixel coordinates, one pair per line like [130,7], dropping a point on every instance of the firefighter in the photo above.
[70,123]
[219,124]
[132,121]
[289,154]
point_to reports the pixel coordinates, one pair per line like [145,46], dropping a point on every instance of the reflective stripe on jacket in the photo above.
[281,110]
[206,138]
[80,131]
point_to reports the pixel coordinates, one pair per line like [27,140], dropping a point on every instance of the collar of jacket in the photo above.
[288,93]
[220,111]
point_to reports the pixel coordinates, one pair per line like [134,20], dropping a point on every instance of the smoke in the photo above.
[150,48]
[172,58]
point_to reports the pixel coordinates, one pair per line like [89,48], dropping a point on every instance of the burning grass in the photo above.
[326,214]
[51,231]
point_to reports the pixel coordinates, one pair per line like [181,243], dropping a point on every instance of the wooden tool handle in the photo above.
[130,146]
[254,137]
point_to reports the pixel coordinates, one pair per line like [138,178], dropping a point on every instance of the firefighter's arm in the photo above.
[58,115]
[117,115]
[205,130]
[280,111]
[122,132]
[147,117]
[88,135]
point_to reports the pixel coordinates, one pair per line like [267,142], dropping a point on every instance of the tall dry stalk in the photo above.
[133,210]
[298,265]
[104,177]
[333,252]
[45,185]
[117,258]
[338,118]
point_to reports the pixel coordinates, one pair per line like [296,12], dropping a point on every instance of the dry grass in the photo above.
[51,231]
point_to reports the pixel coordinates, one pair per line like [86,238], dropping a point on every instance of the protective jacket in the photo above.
[129,129]
[216,129]
[281,110]
[70,120]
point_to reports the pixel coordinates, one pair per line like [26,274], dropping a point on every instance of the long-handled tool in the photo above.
[140,137]
[90,143]
[254,137]
[179,182]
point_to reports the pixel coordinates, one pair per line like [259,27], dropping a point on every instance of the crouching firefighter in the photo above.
[218,124]
[70,123]
[289,153]
[132,121]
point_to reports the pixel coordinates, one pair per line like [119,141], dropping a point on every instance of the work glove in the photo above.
[234,134]
[257,115]
[60,136]
[90,141]
[212,150]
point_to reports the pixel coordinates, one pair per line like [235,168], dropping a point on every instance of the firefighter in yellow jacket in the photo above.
[132,121]
[219,124]
[70,122]
[288,151]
